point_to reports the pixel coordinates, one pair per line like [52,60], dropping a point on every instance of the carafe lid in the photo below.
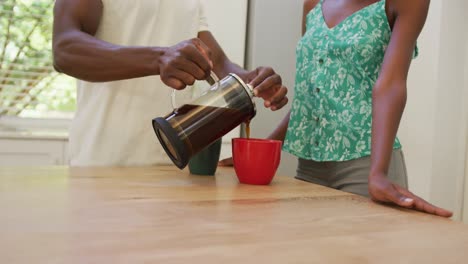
[170,141]
[248,89]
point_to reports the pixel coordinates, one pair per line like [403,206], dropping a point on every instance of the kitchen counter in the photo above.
[163,215]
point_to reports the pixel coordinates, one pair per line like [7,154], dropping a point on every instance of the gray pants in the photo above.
[350,176]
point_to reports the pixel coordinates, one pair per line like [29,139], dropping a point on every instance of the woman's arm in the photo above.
[388,103]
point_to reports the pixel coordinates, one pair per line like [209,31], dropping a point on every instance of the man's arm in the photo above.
[79,54]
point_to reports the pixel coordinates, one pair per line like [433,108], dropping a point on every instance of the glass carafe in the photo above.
[190,128]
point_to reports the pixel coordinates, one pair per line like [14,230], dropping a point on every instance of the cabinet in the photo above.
[33,148]
[31,152]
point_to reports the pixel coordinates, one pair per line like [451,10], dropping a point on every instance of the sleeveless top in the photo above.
[112,124]
[336,70]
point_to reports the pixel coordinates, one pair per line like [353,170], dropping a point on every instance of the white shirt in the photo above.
[112,124]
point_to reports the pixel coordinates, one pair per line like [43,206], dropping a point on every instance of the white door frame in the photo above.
[464,205]
[464,212]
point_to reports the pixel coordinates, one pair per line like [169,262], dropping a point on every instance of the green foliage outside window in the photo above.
[29,86]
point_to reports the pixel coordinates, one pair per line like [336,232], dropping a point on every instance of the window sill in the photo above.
[34,134]
[40,129]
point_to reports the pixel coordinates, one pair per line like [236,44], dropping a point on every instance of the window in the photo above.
[29,85]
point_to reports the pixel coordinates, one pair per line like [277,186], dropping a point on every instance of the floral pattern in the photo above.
[336,69]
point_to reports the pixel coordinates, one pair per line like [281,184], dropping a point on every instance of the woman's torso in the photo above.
[336,70]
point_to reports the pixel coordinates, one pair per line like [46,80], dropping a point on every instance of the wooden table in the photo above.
[162,215]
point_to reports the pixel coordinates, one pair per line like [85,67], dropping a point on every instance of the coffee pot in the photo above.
[190,128]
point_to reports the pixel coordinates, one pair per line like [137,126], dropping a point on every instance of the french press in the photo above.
[190,128]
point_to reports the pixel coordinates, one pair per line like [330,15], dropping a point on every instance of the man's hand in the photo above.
[383,191]
[268,85]
[184,63]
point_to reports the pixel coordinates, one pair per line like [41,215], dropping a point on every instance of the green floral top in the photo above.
[336,70]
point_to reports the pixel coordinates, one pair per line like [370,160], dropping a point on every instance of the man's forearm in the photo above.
[84,57]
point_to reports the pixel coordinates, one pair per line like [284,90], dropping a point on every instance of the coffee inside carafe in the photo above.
[201,125]
[190,128]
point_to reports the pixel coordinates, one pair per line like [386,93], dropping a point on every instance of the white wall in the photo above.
[449,140]
[228,24]
[416,129]
[433,126]
[465,185]
[274,29]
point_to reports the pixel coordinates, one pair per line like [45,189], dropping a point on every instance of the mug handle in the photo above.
[212,80]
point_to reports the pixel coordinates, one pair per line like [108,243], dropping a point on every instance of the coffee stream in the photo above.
[247,129]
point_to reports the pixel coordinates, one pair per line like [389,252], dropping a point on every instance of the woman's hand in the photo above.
[226,162]
[268,85]
[384,191]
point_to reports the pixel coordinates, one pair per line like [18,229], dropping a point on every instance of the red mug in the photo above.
[256,160]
